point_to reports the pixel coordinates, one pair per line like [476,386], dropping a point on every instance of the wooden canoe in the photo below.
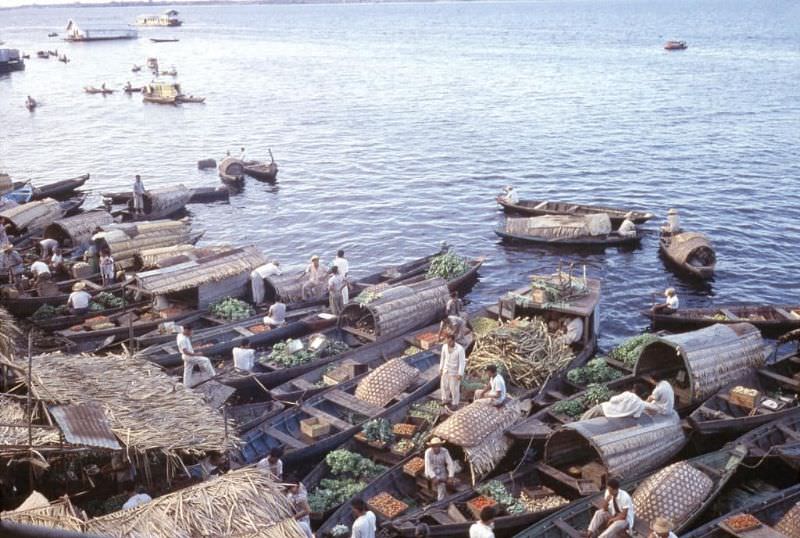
[768,511]
[248,416]
[777,439]
[199,321]
[25,305]
[772,320]
[601,241]
[338,407]
[261,171]
[93,90]
[688,253]
[569,522]
[543,207]
[60,190]
[199,195]
[721,416]
[58,323]
[231,173]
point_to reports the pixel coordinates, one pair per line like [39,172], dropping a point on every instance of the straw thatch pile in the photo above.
[399,309]
[9,333]
[126,240]
[14,426]
[245,502]
[33,215]
[146,408]
[152,257]
[560,226]
[37,510]
[713,356]
[288,288]
[191,274]
[683,245]
[160,203]
[78,230]
[479,429]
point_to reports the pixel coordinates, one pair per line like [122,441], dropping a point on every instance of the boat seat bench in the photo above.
[567,529]
[336,422]
[348,401]
[285,438]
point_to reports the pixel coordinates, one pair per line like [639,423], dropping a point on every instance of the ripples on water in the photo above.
[395,125]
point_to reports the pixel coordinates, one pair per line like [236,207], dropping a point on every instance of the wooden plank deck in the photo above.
[348,401]
[285,438]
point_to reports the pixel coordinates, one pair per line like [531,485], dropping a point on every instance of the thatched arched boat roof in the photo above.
[31,216]
[712,357]
[684,245]
[78,230]
[231,167]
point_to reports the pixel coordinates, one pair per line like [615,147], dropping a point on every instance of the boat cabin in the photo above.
[74,32]
[168,18]
[10,60]
[161,92]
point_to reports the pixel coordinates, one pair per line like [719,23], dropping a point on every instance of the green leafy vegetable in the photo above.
[447,266]
[628,352]
[495,489]
[231,309]
[595,371]
[378,429]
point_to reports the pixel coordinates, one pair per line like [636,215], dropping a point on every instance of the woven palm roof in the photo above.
[78,229]
[33,215]
[194,273]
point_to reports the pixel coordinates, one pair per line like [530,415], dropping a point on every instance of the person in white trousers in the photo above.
[192,359]
[452,364]
[616,515]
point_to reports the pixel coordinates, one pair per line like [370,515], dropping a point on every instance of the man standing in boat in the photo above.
[344,269]
[452,364]
[138,196]
[192,359]
[335,284]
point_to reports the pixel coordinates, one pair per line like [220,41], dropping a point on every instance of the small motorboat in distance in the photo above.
[676,45]
[52,34]
[156,40]
[102,90]
[190,99]
[30,103]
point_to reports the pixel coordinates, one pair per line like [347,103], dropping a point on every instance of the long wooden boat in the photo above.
[689,253]
[340,409]
[22,193]
[61,322]
[400,484]
[778,439]
[25,305]
[772,320]
[777,398]
[602,241]
[544,207]
[261,171]
[199,322]
[231,173]
[198,195]
[121,327]
[248,416]
[770,512]
[160,203]
[93,90]
[60,190]
[715,468]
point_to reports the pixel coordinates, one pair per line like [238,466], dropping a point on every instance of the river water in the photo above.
[396,124]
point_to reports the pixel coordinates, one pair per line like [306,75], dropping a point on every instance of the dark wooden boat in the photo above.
[31,104]
[59,323]
[25,305]
[689,253]
[778,390]
[543,207]
[159,204]
[416,490]
[60,190]
[261,171]
[189,99]
[71,206]
[602,241]
[676,45]
[777,439]
[198,195]
[772,320]
[199,321]
[569,522]
[248,416]
[124,326]
[231,173]
[101,91]
[337,407]
[132,89]
[157,40]
[770,513]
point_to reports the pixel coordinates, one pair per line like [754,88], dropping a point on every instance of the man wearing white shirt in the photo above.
[276,315]
[78,301]
[511,195]
[138,196]
[335,284]
[141,497]
[662,400]
[364,524]
[495,392]
[616,516]
[257,277]
[452,364]
[439,466]
[39,268]
[344,268]
[628,227]
[484,527]
[244,356]
[47,247]
[192,359]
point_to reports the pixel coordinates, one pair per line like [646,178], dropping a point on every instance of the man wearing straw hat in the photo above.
[439,467]
[78,301]
[192,359]
[661,528]
[452,364]
[627,228]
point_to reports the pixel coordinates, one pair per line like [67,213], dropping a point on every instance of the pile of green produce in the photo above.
[378,430]
[428,411]
[595,371]
[565,290]
[281,356]
[447,266]
[367,296]
[494,489]
[231,309]
[482,326]
[352,473]
[628,351]
[575,407]
[107,300]
[340,531]
[47,311]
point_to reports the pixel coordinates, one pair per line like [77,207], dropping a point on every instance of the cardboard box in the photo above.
[314,427]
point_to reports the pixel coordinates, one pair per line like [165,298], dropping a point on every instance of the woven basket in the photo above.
[385,382]
[789,524]
[674,493]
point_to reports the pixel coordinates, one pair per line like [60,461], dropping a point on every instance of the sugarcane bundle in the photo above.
[526,352]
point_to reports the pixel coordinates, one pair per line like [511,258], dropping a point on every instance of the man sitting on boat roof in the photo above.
[673,224]
[662,400]
[627,228]
[495,391]
[510,194]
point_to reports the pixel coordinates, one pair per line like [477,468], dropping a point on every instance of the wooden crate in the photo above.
[478,503]
[539,295]
[314,427]
[414,467]
[411,428]
[344,372]
[378,505]
[400,452]
[427,340]
[745,397]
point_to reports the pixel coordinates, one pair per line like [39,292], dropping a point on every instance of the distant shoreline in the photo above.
[162,3]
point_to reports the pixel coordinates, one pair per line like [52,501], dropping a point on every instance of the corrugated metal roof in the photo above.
[85,424]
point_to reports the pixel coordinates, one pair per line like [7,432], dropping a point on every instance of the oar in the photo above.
[271,158]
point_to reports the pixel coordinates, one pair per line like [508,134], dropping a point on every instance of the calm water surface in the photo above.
[395,125]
